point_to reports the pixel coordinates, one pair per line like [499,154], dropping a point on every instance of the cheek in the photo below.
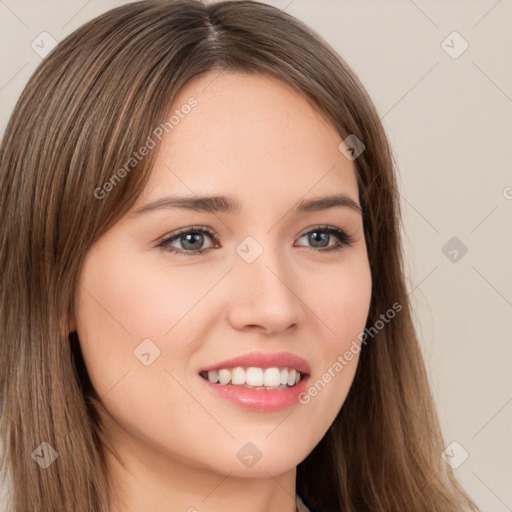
[123,301]
[125,298]
[341,300]
[120,306]
[113,316]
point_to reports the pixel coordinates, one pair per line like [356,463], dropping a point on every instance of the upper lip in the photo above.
[263,360]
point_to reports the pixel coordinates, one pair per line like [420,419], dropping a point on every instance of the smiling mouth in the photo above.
[274,378]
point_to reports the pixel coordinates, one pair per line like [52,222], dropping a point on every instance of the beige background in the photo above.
[450,123]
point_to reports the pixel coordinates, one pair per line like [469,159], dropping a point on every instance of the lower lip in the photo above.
[259,399]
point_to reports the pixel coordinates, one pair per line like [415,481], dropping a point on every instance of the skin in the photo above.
[254,138]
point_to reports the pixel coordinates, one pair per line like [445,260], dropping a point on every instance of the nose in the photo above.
[265,296]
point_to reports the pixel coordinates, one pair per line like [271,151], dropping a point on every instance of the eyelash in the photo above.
[344,240]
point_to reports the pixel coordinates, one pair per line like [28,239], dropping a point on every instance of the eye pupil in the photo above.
[318,236]
[188,244]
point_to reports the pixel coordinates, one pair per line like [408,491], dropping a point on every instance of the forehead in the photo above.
[248,135]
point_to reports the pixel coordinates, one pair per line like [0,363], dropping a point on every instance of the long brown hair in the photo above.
[88,107]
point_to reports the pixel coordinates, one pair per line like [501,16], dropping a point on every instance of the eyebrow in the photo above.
[224,204]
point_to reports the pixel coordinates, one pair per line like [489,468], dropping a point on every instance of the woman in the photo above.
[173,338]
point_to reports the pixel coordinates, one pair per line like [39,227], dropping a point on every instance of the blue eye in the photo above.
[189,238]
[192,240]
[323,234]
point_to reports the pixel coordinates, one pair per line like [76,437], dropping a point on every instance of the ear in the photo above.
[71,324]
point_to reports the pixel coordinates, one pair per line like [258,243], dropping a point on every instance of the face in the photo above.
[169,292]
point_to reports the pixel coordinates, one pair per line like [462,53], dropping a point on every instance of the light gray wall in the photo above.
[450,123]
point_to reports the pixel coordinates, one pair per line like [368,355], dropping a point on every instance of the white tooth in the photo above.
[224,376]
[238,376]
[271,377]
[213,376]
[254,376]
[291,377]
